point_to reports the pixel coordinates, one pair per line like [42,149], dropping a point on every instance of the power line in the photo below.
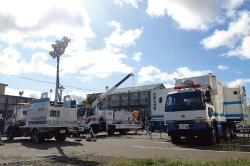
[64,82]
[45,82]
[5,22]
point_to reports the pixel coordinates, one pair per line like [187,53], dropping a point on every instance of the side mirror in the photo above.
[207,94]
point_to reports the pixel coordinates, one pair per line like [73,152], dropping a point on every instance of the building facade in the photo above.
[6,101]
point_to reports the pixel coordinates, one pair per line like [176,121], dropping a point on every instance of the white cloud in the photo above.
[12,63]
[193,14]
[238,82]
[27,93]
[148,74]
[43,19]
[38,44]
[102,63]
[37,64]
[152,73]
[86,79]
[132,2]
[137,56]
[222,67]
[78,96]
[243,51]
[122,38]
[168,85]
[236,30]
[51,20]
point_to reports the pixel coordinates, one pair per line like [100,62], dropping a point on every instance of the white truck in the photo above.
[204,107]
[41,120]
[158,101]
[105,119]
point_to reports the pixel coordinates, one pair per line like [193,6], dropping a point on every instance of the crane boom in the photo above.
[98,100]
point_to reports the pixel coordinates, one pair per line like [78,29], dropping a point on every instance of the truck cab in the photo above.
[85,117]
[188,109]
[16,115]
[204,107]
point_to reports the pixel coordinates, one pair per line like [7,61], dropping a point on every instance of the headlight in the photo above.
[200,121]
[169,121]
[197,120]
[203,121]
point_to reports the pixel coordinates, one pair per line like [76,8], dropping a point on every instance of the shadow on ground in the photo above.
[239,144]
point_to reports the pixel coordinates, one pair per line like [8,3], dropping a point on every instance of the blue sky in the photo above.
[157,40]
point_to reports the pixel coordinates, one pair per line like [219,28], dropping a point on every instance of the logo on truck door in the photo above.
[183,116]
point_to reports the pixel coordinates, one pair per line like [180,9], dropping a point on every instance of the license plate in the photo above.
[184,126]
[62,131]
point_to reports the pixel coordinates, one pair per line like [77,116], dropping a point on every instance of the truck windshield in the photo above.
[9,114]
[90,112]
[184,101]
[81,112]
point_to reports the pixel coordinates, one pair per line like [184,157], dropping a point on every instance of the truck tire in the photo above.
[111,132]
[123,132]
[10,135]
[176,139]
[94,129]
[36,138]
[60,137]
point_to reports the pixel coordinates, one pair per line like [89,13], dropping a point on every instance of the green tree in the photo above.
[91,98]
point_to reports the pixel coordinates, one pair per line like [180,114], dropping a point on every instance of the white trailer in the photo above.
[204,107]
[42,120]
[158,101]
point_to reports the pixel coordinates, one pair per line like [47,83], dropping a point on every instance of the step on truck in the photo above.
[106,119]
[204,107]
[41,120]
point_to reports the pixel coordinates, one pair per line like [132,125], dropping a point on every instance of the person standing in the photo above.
[147,125]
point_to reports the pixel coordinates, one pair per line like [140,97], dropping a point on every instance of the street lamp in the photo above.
[59,49]
[20,93]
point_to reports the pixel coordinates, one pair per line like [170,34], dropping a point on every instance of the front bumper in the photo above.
[193,126]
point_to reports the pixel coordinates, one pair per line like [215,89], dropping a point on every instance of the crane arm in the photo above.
[98,100]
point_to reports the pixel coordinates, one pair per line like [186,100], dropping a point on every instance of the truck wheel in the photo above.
[60,137]
[111,132]
[123,132]
[176,139]
[35,138]
[10,135]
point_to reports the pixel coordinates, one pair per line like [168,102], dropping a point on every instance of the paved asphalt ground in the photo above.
[130,145]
